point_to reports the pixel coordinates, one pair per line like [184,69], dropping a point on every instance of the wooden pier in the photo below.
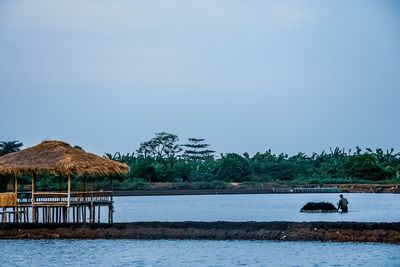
[54,207]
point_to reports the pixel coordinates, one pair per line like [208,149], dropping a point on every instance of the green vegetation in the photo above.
[193,165]
[9,147]
[5,148]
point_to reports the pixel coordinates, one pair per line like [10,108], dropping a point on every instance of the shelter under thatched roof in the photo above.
[59,158]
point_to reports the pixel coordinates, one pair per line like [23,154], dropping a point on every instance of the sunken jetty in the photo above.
[282,231]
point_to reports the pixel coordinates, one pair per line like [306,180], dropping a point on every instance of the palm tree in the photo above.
[9,147]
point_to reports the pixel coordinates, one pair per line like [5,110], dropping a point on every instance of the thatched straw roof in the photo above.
[57,157]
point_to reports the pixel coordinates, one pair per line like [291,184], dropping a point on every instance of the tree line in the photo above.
[194,165]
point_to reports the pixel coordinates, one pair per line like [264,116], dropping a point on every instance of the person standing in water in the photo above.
[342,204]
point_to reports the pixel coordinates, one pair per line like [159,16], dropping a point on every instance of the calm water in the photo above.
[268,207]
[363,207]
[194,253]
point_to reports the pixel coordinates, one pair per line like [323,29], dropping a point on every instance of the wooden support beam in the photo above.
[33,198]
[78,213]
[92,219]
[69,195]
[111,208]
[69,190]
[16,185]
[98,214]
[84,213]
[15,209]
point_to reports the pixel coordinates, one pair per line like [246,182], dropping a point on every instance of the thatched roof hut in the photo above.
[57,157]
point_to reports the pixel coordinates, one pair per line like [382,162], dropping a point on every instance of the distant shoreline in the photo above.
[278,230]
[339,188]
[172,192]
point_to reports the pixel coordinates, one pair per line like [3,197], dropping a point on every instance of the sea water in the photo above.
[363,207]
[268,207]
[194,253]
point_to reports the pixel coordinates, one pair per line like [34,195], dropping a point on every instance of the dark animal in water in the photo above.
[319,207]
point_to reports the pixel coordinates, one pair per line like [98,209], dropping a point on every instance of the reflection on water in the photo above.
[268,207]
[194,253]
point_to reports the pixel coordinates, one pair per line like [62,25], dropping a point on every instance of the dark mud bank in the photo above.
[291,231]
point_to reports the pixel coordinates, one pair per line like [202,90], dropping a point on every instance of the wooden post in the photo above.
[15,184]
[16,219]
[26,214]
[98,214]
[33,197]
[43,214]
[111,212]
[92,219]
[69,190]
[83,207]
[64,210]
[69,195]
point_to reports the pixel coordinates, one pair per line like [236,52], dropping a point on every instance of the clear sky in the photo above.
[246,75]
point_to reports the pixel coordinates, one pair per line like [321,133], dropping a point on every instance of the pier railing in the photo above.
[56,198]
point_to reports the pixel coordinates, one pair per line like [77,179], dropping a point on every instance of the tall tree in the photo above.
[196,150]
[9,147]
[233,168]
[163,147]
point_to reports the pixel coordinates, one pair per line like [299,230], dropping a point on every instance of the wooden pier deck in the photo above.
[54,207]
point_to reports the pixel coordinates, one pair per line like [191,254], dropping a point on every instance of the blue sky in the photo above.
[246,75]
